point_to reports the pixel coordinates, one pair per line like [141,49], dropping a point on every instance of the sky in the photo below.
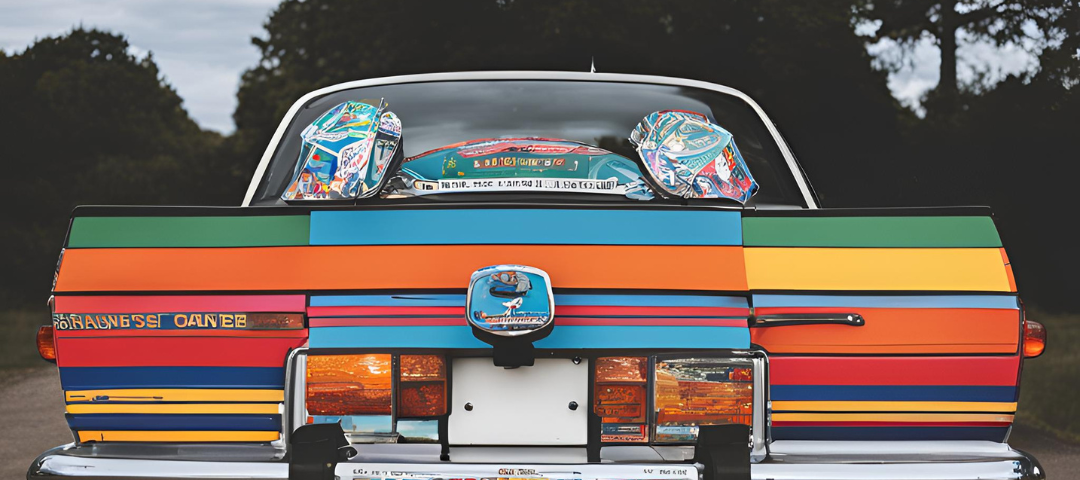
[203,46]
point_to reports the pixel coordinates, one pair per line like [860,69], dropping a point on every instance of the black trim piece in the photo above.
[593,427]
[783,320]
[957,211]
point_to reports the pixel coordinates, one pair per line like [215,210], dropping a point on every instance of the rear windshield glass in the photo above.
[437,114]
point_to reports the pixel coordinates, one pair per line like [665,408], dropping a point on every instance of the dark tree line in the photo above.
[81,123]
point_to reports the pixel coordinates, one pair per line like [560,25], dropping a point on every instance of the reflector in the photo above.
[348,384]
[46,343]
[1034,339]
[694,391]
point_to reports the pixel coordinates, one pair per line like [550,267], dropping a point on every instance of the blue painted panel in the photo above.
[174,422]
[895,393]
[882,301]
[994,434]
[531,226]
[561,337]
[90,378]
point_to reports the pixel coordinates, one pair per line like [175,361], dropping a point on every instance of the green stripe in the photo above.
[253,231]
[894,232]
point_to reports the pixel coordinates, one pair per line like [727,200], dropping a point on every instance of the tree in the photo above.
[997,21]
[86,122]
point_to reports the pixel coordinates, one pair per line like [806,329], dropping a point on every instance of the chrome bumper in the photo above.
[787,461]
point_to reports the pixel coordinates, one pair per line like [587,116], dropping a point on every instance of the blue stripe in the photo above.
[90,378]
[921,301]
[994,434]
[561,337]
[174,422]
[531,226]
[898,393]
[454,300]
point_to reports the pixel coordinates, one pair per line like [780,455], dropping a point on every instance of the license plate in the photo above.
[519,406]
[516,472]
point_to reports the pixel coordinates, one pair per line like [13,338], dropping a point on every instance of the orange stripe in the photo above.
[896,330]
[1008,270]
[382,267]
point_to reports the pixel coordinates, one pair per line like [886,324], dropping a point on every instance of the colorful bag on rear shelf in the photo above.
[345,153]
[687,156]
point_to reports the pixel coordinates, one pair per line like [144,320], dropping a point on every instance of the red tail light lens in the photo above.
[621,398]
[349,384]
[423,386]
[693,392]
[1034,339]
[46,343]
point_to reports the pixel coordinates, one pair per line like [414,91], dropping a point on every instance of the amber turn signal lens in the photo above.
[423,386]
[692,392]
[1034,338]
[46,343]
[348,384]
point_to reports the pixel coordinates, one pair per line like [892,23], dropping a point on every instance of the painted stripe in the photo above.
[173,422]
[562,337]
[176,395]
[175,408]
[900,433]
[176,436]
[870,232]
[994,371]
[180,303]
[872,301]
[570,266]
[560,310]
[891,424]
[91,378]
[231,231]
[558,226]
[891,417]
[174,351]
[929,393]
[932,269]
[1009,407]
[560,321]
[895,331]
[455,300]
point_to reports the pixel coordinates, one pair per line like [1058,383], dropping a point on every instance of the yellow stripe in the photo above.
[271,408]
[896,406]
[175,436]
[890,417]
[178,395]
[971,269]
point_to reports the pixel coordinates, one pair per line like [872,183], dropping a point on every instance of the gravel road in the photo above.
[32,413]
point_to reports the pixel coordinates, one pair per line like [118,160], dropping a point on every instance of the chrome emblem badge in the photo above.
[510,300]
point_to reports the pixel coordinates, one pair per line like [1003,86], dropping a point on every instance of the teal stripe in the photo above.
[526,226]
[561,337]
[885,232]
[225,231]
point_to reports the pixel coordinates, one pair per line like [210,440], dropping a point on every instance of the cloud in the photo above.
[202,46]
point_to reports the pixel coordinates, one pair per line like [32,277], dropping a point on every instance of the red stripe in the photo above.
[988,371]
[180,303]
[665,322]
[372,311]
[193,332]
[890,424]
[387,322]
[590,310]
[174,352]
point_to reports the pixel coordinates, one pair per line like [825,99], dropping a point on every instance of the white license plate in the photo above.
[608,471]
[519,406]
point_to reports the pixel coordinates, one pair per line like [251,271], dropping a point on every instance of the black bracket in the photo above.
[316,450]
[724,450]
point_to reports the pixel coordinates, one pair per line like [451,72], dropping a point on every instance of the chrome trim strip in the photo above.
[793,165]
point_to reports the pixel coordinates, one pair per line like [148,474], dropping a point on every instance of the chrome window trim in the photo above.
[789,157]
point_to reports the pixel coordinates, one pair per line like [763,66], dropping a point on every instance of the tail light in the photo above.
[1034,339]
[349,384]
[620,399]
[46,343]
[423,386]
[691,392]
